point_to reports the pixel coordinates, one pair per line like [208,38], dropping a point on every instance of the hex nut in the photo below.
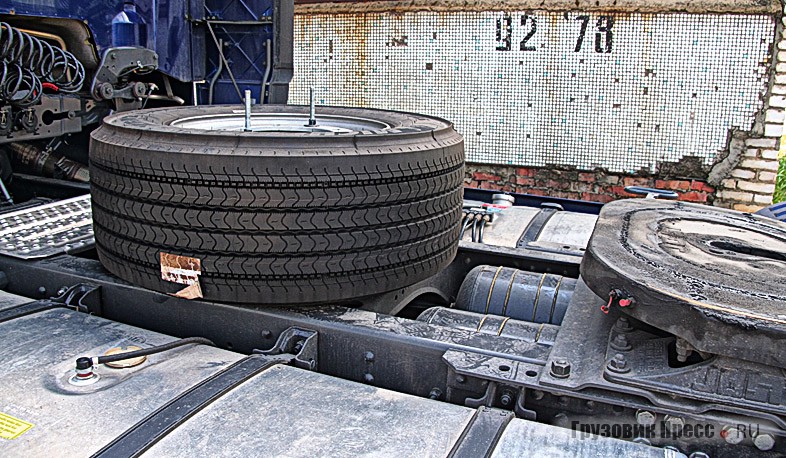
[764,442]
[560,368]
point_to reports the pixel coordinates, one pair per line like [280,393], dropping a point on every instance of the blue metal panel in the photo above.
[178,42]
[244,26]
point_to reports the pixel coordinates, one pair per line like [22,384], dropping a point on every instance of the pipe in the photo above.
[268,69]
[215,77]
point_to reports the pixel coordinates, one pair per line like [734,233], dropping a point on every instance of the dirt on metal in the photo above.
[618,6]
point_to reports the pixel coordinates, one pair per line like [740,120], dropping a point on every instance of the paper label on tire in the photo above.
[180,269]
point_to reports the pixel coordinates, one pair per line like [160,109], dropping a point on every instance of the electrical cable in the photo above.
[143,352]
[50,63]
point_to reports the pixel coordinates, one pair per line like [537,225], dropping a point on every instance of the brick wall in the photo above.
[751,183]
[597,186]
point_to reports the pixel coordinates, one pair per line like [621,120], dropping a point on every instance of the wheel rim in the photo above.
[280,123]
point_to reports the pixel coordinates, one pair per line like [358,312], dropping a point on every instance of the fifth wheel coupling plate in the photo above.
[714,277]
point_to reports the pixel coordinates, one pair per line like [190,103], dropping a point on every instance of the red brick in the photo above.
[587,177]
[522,172]
[609,179]
[536,192]
[484,176]
[594,197]
[524,181]
[619,191]
[581,186]
[567,195]
[694,196]
[636,181]
[604,198]
[701,186]
[489,185]
[675,185]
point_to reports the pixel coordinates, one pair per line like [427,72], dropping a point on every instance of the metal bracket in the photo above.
[299,342]
[82,297]
[112,78]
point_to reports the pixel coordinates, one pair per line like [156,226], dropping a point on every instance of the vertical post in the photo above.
[312,116]
[248,110]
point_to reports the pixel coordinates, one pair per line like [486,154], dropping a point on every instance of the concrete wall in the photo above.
[711,145]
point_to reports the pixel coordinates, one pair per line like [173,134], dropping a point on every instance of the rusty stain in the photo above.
[610,6]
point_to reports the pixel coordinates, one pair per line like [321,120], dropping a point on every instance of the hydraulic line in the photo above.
[466,221]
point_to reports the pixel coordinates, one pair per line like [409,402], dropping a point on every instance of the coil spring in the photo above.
[35,60]
[18,86]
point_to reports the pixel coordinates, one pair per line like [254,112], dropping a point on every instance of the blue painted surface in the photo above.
[185,48]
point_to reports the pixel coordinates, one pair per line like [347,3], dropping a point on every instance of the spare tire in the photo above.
[364,202]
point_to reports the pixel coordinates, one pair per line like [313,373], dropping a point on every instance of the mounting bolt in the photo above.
[732,435]
[763,442]
[674,423]
[435,394]
[537,395]
[312,109]
[618,364]
[560,368]
[298,346]
[368,378]
[620,343]
[42,290]
[266,334]
[623,324]
[460,379]
[561,419]
[645,417]
[506,399]
[590,405]
[369,356]
[698,454]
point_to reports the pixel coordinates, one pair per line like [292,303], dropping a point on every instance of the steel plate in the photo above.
[715,277]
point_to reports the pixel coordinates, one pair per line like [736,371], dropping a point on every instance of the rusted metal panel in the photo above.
[618,6]
[621,91]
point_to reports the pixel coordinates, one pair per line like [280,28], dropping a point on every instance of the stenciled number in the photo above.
[584,21]
[504,33]
[532,29]
[605,23]
[603,37]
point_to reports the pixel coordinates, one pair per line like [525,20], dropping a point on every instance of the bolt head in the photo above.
[698,455]
[645,418]
[620,343]
[674,423]
[618,364]
[764,442]
[732,435]
[368,378]
[368,356]
[560,368]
